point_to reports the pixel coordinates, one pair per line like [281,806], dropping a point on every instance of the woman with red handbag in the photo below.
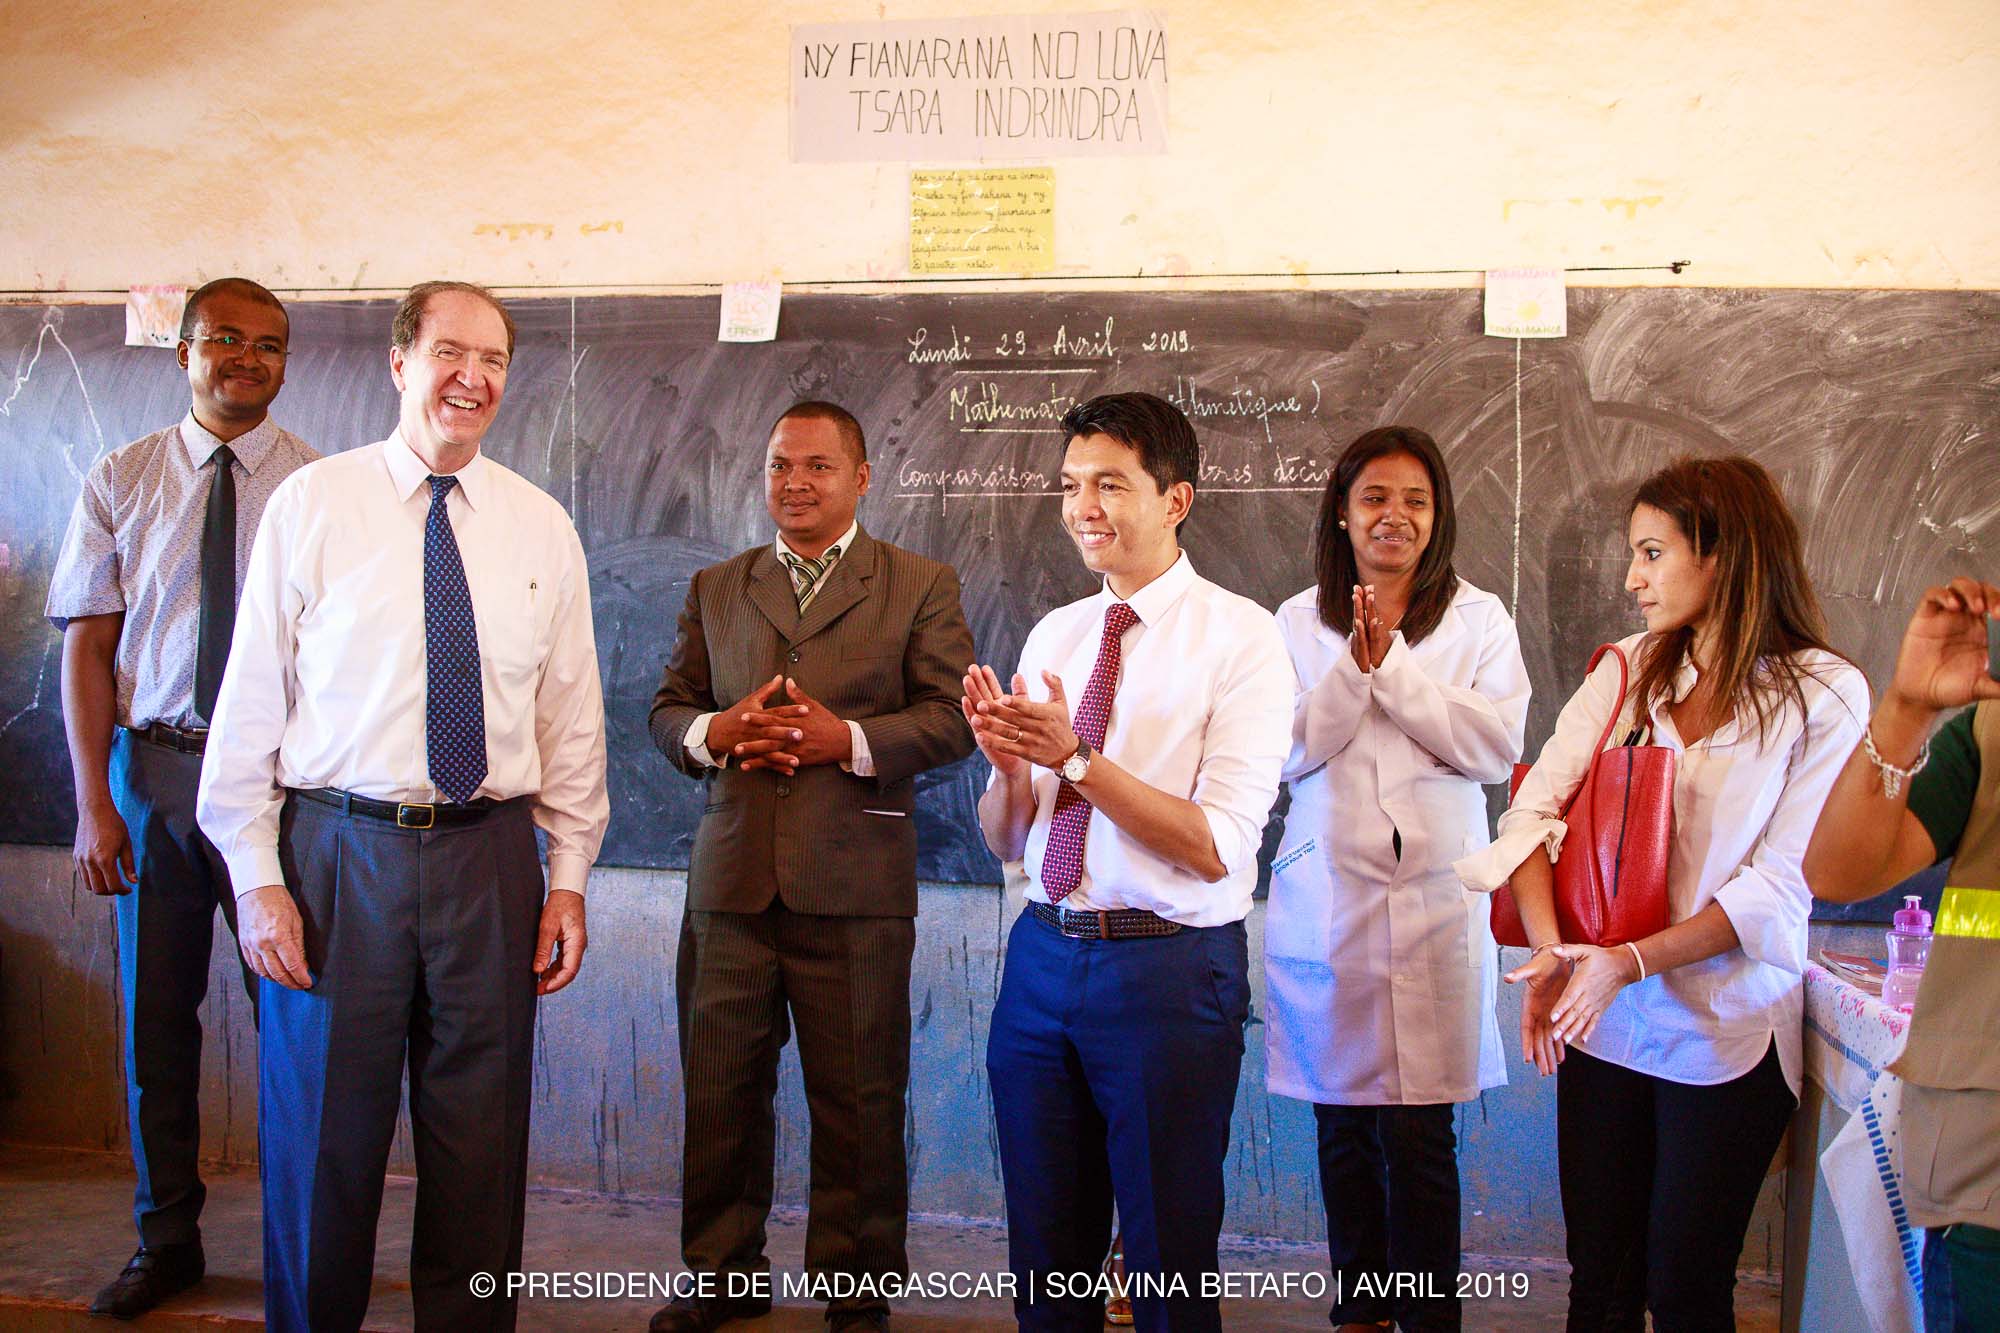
[1680,1052]
[1379,968]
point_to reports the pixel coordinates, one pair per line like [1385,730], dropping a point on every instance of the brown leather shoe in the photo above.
[703,1314]
[153,1275]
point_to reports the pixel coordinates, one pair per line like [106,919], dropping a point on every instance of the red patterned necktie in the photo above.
[1062,858]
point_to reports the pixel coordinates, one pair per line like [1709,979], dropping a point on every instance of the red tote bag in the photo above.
[1611,876]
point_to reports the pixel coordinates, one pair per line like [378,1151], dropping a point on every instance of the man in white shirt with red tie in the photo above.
[412,692]
[1139,808]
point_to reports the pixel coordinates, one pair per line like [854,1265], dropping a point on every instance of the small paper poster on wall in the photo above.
[153,314]
[749,312]
[1526,303]
[998,220]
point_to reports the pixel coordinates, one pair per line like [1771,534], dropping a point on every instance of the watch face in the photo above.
[1074,767]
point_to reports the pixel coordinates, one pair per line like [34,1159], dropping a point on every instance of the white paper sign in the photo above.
[153,314]
[749,312]
[1000,88]
[1526,303]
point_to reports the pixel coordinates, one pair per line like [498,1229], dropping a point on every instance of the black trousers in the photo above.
[1658,1183]
[166,932]
[843,984]
[421,945]
[1389,1175]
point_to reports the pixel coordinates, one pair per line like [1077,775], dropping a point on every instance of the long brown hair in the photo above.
[1761,604]
[1435,583]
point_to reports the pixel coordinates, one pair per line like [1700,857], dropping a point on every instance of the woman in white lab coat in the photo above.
[1379,966]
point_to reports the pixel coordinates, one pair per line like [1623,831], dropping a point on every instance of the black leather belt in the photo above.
[172,738]
[1126,923]
[403,814]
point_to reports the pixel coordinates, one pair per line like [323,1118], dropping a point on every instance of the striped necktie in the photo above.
[808,573]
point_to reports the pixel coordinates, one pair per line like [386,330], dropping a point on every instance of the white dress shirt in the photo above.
[1380,968]
[1744,809]
[862,762]
[1203,711]
[326,684]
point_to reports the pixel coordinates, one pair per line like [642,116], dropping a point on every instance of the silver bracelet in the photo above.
[1892,777]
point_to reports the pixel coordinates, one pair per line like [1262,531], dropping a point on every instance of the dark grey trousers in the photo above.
[420,944]
[166,931]
[844,982]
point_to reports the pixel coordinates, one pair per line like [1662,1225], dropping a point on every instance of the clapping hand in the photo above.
[982,686]
[1019,728]
[1370,642]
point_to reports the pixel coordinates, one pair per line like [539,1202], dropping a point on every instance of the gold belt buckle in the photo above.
[406,816]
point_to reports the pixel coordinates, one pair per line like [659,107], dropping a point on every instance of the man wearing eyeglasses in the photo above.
[145,594]
[414,693]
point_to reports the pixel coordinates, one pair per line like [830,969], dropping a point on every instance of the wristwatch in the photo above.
[1074,767]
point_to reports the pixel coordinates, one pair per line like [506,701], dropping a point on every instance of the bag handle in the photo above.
[1617,708]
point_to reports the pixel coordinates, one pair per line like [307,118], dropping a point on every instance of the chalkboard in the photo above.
[1876,411]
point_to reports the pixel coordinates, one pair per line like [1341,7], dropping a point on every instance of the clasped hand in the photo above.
[1014,730]
[1569,986]
[1370,642]
[783,737]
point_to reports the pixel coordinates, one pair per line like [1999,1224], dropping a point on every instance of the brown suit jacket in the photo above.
[884,644]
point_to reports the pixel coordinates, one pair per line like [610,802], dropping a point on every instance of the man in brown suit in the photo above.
[812,680]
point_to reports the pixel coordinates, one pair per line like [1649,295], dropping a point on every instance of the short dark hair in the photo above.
[1148,425]
[410,311]
[243,287]
[1435,584]
[816,409]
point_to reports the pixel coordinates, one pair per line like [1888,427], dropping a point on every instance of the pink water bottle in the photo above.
[1909,949]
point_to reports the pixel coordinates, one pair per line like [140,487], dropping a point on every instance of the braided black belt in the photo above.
[1126,923]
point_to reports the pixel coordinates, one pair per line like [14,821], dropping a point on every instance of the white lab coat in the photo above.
[1380,970]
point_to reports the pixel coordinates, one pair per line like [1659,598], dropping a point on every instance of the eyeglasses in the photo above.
[232,345]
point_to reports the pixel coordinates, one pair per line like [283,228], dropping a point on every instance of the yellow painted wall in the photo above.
[607,142]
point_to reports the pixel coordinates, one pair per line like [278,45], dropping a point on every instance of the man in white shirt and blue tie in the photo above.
[1139,808]
[412,691]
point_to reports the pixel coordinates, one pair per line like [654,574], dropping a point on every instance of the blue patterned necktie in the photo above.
[455,711]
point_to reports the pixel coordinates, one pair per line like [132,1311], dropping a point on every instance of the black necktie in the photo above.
[218,585]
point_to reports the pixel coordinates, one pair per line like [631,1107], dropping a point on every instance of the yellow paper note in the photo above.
[986,220]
